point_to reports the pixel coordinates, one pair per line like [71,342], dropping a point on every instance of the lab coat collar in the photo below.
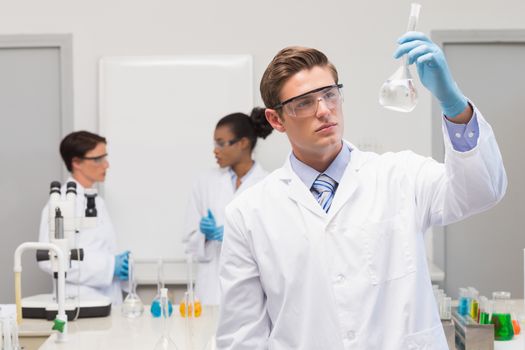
[298,192]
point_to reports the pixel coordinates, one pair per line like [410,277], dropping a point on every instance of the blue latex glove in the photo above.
[121,266]
[433,71]
[209,228]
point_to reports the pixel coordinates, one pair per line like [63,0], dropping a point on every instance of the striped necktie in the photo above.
[323,190]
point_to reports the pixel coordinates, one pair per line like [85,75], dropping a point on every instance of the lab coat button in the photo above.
[340,278]
[458,135]
[350,335]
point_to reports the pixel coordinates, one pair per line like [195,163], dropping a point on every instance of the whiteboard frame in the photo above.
[131,86]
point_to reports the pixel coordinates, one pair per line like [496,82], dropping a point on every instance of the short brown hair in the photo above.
[284,65]
[77,144]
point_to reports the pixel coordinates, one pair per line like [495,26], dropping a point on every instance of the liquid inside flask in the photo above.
[501,317]
[132,306]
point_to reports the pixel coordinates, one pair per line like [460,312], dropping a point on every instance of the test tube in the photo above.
[463,306]
[440,297]
[446,308]
[484,310]
[474,303]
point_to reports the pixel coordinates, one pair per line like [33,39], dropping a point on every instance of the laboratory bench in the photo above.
[118,332]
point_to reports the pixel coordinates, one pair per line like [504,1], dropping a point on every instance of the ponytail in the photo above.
[252,127]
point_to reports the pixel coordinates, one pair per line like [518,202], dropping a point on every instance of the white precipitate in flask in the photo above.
[398,93]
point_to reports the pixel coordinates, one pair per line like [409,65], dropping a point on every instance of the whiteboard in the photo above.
[158,115]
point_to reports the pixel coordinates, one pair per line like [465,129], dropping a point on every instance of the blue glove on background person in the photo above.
[121,266]
[209,228]
[433,71]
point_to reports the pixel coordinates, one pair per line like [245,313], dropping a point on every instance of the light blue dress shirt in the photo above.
[234,176]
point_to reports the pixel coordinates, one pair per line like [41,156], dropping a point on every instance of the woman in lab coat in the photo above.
[101,270]
[235,138]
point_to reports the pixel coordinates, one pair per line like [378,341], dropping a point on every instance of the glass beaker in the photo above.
[398,92]
[132,306]
[501,318]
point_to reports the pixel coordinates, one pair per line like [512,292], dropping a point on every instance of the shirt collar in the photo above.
[233,175]
[336,169]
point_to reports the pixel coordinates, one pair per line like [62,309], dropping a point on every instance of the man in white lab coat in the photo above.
[102,270]
[328,252]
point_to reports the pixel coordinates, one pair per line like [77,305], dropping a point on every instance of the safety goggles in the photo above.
[305,105]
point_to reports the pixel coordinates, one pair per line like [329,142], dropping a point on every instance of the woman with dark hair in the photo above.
[235,138]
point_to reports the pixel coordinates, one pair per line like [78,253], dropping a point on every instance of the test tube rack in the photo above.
[471,335]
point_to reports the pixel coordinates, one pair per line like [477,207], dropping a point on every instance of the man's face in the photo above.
[316,134]
[92,167]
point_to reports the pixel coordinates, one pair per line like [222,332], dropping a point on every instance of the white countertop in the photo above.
[117,332]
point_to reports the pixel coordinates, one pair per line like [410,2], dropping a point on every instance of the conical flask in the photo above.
[501,317]
[165,342]
[398,92]
[132,306]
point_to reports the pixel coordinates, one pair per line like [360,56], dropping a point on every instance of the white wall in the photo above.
[358,36]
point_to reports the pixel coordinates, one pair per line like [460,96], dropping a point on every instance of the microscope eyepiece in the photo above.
[71,187]
[54,187]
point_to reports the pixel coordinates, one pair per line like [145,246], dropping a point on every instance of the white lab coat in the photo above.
[212,190]
[294,277]
[94,275]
